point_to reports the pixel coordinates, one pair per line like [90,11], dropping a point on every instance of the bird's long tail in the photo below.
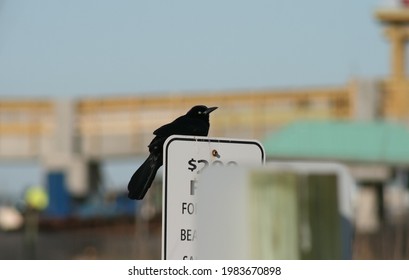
[143,177]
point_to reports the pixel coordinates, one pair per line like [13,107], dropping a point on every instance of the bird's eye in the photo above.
[200,112]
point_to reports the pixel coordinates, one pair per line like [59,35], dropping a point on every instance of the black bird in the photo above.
[195,122]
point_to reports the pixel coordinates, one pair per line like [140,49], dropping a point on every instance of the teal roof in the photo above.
[379,142]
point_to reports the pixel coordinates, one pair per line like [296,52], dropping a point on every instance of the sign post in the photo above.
[185,157]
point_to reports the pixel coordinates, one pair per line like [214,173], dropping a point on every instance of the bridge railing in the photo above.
[26,127]
[114,126]
[120,126]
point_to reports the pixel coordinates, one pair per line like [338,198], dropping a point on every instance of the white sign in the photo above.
[185,157]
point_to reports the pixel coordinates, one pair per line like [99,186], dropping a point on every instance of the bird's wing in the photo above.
[164,129]
[182,126]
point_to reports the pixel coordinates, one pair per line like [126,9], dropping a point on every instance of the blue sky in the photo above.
[78,48]
[52,48]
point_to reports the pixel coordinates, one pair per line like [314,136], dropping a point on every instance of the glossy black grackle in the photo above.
[195,122]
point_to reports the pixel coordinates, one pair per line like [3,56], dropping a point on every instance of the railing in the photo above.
[26,127]
[128,122]
[120,126]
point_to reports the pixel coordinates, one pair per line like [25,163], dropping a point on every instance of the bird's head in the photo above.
[200,111]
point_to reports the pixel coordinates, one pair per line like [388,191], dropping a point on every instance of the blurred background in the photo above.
[83,84]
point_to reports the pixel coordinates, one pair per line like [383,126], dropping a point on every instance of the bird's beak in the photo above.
[209,110]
